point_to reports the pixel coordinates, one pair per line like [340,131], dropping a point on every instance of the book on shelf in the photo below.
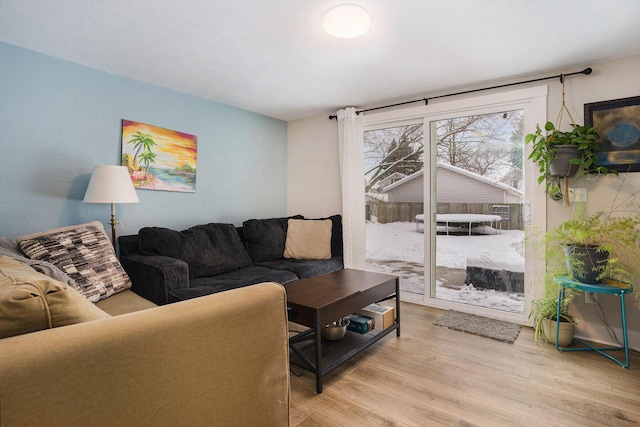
[361,324]
[384,315]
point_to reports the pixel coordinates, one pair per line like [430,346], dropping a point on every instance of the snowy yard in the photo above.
[398,248]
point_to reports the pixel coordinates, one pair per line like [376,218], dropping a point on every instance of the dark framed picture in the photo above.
[618,123]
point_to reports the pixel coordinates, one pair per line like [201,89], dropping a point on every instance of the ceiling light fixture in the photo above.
[346,21]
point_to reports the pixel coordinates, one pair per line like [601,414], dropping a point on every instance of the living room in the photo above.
[62,117]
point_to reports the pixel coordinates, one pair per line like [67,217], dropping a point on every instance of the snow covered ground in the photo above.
[398,248]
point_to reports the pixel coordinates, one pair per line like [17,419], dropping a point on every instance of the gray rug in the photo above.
[478,325]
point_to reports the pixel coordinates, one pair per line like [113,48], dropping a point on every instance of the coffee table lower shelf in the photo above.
[333,353]
[318,301]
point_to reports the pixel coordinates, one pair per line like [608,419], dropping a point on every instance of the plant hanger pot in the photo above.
[561,166]
[550,151]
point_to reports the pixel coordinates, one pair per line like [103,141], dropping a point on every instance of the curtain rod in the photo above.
[586,71]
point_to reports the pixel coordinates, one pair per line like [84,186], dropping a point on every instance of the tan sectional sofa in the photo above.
[217,360]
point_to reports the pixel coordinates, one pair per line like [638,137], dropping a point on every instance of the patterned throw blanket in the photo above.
[10,249]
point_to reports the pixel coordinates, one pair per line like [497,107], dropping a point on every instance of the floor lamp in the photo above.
[111,184]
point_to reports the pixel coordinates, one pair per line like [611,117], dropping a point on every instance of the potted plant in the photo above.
[544,313]
[595,246]
[561,154]
[613,230]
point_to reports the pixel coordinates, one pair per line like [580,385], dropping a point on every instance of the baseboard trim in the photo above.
[599,333]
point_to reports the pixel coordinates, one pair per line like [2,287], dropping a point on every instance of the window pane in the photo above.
[479,201]
[394,172]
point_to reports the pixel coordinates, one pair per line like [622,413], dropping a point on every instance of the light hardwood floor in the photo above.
[436,376]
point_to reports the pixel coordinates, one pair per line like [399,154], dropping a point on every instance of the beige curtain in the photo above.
[350,139]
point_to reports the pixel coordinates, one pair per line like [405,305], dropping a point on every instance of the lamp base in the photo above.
[113,223]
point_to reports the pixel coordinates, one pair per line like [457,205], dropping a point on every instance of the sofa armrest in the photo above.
[198,362]
[154,276]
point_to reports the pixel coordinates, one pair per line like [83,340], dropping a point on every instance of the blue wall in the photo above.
[58,120]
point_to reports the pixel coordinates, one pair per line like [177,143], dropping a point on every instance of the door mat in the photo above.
[478,325]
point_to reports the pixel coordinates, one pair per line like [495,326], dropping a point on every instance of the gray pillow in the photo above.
[209,249]
[265,238]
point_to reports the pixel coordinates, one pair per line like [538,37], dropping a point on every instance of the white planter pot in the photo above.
[564,337]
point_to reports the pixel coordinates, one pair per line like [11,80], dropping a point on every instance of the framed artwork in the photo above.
[159,158]
[618,123]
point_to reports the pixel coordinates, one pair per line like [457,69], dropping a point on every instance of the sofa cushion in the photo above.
[265,238]
[305,269]
[208,249]
[31,301]
[123,303]
[85,253]
[308,239]
[336,235]
[231,280]
[10,249]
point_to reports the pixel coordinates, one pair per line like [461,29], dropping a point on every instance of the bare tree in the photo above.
[482,143]
[387,151]
[487,144]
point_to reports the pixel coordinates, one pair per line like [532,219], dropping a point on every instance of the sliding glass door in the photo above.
[479,225]
[449,201]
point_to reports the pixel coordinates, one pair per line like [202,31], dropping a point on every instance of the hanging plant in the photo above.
[563,154]
[578,149]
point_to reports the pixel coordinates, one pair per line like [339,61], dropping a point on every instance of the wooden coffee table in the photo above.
[321,300]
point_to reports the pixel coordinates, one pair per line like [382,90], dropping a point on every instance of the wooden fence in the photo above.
[406,211]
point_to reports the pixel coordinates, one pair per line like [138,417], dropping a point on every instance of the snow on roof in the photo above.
[473,175]
[376,197]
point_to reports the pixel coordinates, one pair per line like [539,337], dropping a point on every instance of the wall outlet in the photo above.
[591,297]
[577,194]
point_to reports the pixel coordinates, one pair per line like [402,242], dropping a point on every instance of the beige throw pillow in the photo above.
[31,301]
[308,239]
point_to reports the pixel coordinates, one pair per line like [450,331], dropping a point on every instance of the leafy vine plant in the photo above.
[545,150]
[546,146]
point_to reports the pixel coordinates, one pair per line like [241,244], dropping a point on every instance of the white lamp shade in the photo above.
[111,184]
[346,21]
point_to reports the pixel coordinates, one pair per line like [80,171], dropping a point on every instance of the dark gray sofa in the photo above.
[167,266]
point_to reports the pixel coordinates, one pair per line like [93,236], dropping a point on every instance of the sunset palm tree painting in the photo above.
[159,158]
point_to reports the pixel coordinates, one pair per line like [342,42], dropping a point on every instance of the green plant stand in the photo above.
[608,286]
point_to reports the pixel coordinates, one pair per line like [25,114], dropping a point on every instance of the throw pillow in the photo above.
[10,249]
[85,253]
[208,249]
[336,234]
[265,238]
[31,301]
[308,239]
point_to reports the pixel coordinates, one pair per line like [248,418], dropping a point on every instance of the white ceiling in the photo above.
[272,56]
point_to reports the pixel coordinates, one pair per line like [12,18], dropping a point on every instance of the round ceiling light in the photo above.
[346,21]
